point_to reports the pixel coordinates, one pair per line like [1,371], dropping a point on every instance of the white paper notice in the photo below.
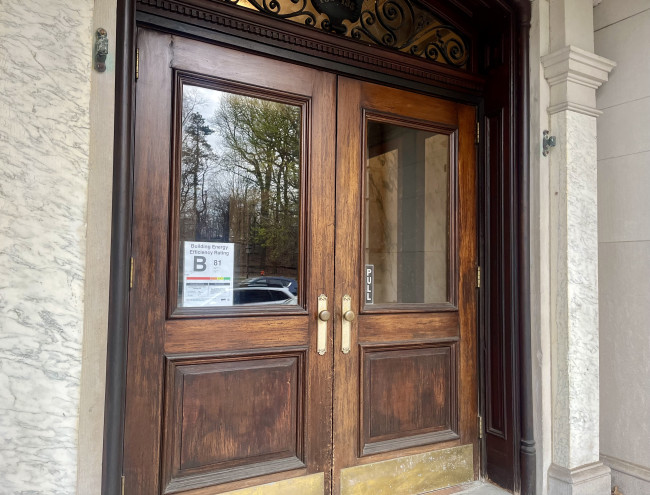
[208,273]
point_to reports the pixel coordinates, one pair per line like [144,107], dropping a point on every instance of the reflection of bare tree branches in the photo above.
[262,139]
[240,175]
[193,101]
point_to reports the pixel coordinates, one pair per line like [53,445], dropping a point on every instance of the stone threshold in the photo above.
[475,488]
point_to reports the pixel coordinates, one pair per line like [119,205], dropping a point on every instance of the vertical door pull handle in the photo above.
[323,317]
[346,323]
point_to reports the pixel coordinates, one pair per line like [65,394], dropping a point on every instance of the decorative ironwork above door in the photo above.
[402,25]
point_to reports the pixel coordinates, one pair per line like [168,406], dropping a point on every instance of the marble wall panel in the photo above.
[45,63]
[574,291]
[381,223]
[436,215]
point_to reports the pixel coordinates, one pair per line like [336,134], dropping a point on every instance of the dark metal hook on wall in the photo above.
[548,142]
[101,49]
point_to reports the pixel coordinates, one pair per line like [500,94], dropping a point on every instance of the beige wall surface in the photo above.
[539,239]
[622,33]
[98,247]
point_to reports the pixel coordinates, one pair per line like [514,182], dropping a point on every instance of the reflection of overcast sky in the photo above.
[212,101]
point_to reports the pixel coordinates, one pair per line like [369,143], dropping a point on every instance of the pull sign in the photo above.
[370,284]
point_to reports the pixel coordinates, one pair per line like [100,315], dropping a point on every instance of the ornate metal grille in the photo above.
[401,25]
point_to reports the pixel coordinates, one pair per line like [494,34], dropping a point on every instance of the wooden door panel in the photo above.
[234,417]
[398,327]
[203,335]
[409,396]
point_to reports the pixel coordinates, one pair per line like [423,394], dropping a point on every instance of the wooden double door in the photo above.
[303,301]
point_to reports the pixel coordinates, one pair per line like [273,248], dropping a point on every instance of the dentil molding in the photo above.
[574,75]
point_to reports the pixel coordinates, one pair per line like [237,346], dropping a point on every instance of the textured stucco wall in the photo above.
[622,33]
[45,63]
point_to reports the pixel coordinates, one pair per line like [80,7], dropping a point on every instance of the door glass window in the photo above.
[406,215]
[238,197]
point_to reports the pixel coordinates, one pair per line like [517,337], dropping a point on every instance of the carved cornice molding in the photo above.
[253,25]
[574,75]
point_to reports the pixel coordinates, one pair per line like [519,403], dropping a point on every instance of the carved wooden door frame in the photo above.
[497,82]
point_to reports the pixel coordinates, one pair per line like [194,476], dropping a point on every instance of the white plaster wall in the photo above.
[45,64]
[622,33]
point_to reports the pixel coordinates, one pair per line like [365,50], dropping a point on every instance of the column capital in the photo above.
[574,75]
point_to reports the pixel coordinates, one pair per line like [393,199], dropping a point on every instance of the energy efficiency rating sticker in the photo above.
[208,273]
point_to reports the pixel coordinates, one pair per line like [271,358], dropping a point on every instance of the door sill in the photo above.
[474,488]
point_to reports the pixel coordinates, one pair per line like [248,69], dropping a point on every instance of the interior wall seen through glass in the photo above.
[406,215]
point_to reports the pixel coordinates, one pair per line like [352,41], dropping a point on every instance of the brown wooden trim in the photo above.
[118,312]
[527,448]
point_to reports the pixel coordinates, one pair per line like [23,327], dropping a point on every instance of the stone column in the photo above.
[574,72]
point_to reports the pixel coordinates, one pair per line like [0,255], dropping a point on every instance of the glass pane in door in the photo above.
[406,214]
[238,200]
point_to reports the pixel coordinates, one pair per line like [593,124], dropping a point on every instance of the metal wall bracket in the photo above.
[548,142]
[101,49]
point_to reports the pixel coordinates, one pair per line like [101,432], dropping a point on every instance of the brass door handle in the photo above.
[346,323]
[323,317]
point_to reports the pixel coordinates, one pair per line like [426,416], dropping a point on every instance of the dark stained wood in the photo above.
[204,335]
[411,336]
[409,396]
[526,476]
[233,417]
[118,311]
[505,91]
[149,239]
[421,326]
[291,430]
[233,411]
[467,292]
[495,384]
[499,292]
[250,25]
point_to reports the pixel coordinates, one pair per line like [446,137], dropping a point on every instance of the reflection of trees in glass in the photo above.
[197,157]
[244,187]
[261,141]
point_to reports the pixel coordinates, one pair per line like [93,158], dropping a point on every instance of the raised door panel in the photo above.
[409,396]
[234,417]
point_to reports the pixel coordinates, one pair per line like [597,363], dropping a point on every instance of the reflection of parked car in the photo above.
[272,281]
[263,295]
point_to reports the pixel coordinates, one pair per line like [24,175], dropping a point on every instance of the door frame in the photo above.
[512,244]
